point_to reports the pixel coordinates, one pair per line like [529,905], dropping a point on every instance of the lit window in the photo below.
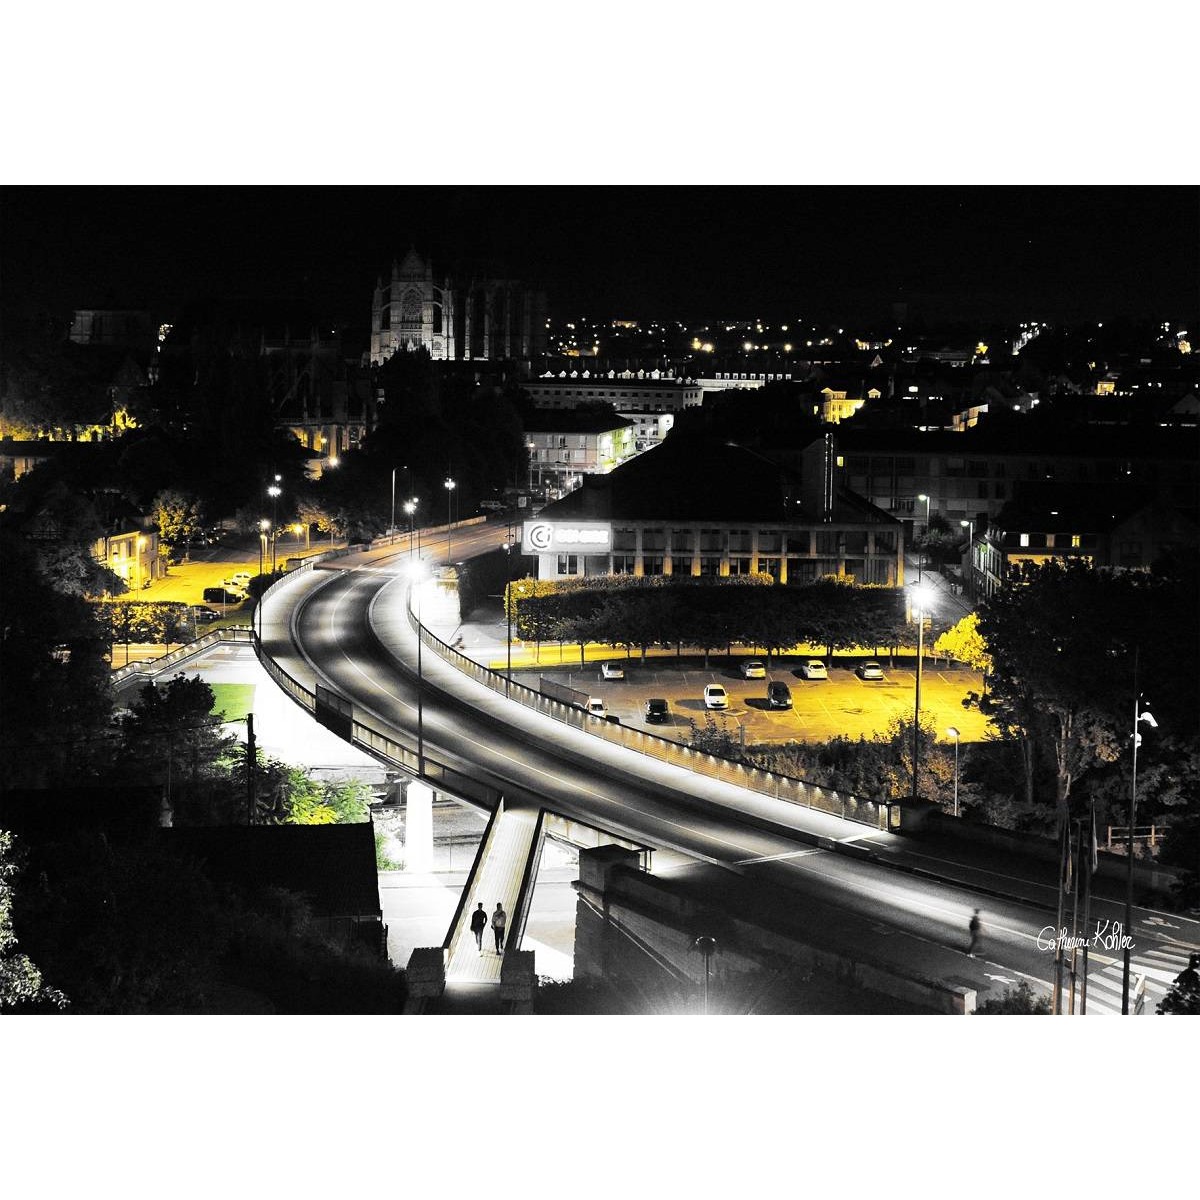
[1024,539]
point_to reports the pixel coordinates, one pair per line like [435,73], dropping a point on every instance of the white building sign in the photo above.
[554,537]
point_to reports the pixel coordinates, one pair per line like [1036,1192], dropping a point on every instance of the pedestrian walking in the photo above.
[499,921]
[478,925]
[974,928]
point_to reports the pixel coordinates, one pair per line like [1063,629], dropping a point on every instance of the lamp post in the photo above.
[1140,714]
[263,526]
[921,553]
[273,491]
[954,734]
[410,507]
[706,946]
[139,545]
[508,611]
[449,485]
[530,447]
[920,597]
[416,572]
[969,526]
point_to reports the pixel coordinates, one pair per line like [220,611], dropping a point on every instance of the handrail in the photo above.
[524,893]
[155,666]
[450,942]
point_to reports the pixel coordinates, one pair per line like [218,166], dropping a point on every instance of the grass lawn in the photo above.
[232,701]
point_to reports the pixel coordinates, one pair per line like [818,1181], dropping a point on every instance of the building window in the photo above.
[681,566]
[769,566]
[654,539]
[568,564]
[623,564]
[710,566]
[1024,539]
[739,539]
[739,566]
[384,317]
[770,541]
[624,539]
[826,541]
[711,539]
[1076,541]
[652,564]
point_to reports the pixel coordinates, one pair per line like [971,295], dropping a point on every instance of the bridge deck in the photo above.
[497,877]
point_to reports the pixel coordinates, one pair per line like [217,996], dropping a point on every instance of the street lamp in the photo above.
[531,448]
[921,553]
[273,491]
[392,526]
[416,572]
[410,507]
[920,598]
[970,527]
[706,946]
[508,610]
[1140,714]
[449,485]
[263,526]
[954,734]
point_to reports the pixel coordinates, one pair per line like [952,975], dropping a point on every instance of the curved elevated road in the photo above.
[347,629]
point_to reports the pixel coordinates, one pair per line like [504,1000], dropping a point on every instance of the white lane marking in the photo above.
[776,857]
[1007,980]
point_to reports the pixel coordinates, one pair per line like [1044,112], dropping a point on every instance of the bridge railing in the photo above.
[155,666]
[769,783]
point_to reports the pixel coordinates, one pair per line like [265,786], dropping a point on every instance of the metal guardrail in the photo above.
[779,787]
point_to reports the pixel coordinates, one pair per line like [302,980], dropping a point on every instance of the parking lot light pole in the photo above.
[920,598]
[954,734]
[449,485]
[263,526]
[508,611]
[969,526]
[273,491]
[415,574]
[921,553]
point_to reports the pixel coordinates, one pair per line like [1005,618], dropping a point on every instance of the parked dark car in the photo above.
[779,695]
[218,595]
[657,710]
[204,616]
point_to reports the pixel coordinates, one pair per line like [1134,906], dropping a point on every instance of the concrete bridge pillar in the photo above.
[418,828]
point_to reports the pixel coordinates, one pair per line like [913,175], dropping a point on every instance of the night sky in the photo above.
[688,252]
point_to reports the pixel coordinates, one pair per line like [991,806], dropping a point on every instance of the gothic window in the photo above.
[384,317]
[410,309]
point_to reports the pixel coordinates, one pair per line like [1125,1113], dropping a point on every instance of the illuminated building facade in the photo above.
[455,319]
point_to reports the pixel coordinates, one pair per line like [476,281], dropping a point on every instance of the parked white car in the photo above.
[715,696]
[753,669]
[813,668]
[596,707]
[612,670]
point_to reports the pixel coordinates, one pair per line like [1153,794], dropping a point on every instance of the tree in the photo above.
[964,643]
[1058,638]
[179,518]
[1184,996]
[21,982]
[1018,1001]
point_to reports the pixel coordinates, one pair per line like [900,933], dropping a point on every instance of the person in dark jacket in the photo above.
[478,925]
[974,930]
[499,921]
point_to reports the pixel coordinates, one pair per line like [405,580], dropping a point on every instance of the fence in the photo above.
[1118,835]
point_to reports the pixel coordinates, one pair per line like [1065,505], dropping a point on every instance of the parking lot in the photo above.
[841,705]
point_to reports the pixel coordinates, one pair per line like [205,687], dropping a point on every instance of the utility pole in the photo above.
[251,762]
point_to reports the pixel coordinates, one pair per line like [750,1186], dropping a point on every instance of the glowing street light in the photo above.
[920,598]
[416,574]
[410,507]
[508,610]
[273,491]
[449,486]
[921,553]
[263,526]
[969,526]
[955,735]
[1141,715]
